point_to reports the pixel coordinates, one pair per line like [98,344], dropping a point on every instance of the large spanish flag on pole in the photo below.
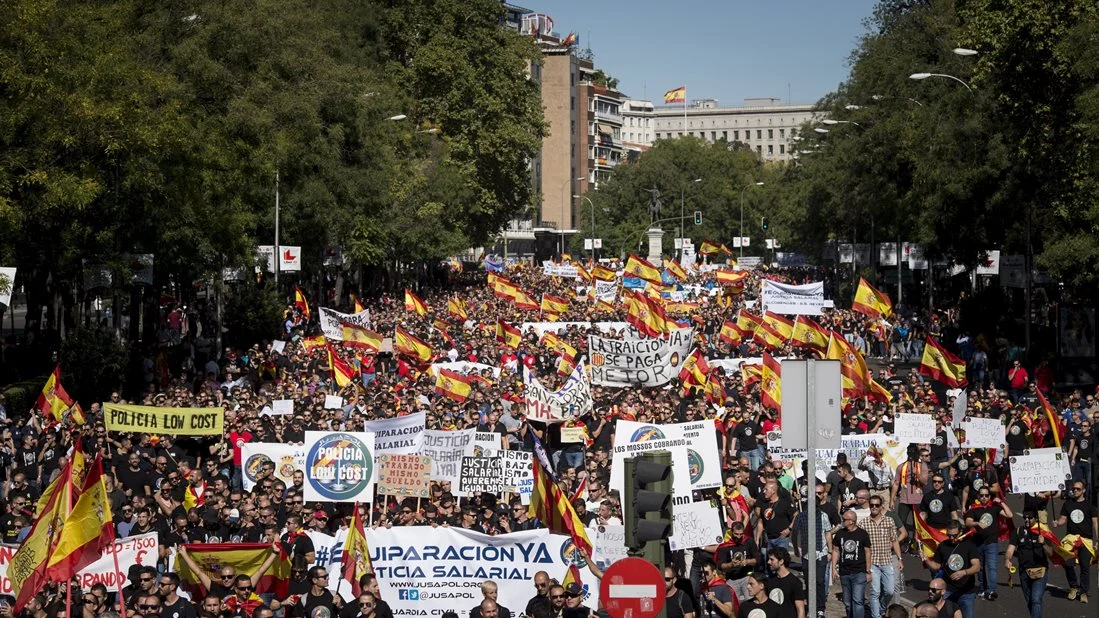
[356,554]
[676,95]
[301,302]
[642,269]
[88,530]
[1056,429]
[939,364]
[27,569]
[414,303]
[342,372]
[871,301]
[550,505]
[53,400]
[412,346]
[770,391]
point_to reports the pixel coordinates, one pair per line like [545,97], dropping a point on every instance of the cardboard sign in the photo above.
[484,474]
[176,421]
[1040,469]
[404,475]
[918,428]
[333,402]
[572,435]
[983,433]
[696,524]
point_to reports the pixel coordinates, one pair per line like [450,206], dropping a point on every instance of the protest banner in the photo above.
[541,328]
[400,434]
[484,474]
[573,435]
[151,419]
[572,400]
[567,271]
[517,473]
[485,443]
[143,550]
[606,291]
[330,321]
[914,428]
[339,466]
[1040,469]
[638,361]
[696,524]
[854,446]
[286,458]
[608,544]
[446,449]
[425,571]
[278,346]
[983,433]
[404,475]
[693,445]
[788,299]
[280,407]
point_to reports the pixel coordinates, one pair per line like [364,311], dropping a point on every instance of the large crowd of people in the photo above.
[191,490]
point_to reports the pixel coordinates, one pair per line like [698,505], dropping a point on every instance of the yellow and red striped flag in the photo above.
[243,558]
[88,529]
[302,303]
[939,364]
[871,301]
[412,346]
[550,505]
[457,308]
[554,304]
[309,343]
[53,400]
[808,334]
[355,336]
[854,373]
[358,305]
[712,248]
[502,288]
[642,269]
[414,303]
[1056,428]
[748,323]
[356,554]
[675,269]
[523,300]
[508,334]
[453,385]
[676,95]
[342,372]
[729,333]
[602,273]
[731,278]
[771,384]
[646,315]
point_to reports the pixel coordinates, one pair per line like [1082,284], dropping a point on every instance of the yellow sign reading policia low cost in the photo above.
[151,419]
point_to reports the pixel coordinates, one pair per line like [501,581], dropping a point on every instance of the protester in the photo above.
[1034,552]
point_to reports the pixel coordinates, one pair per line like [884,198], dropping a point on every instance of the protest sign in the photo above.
[541,328]
[787,299]
[330,321]
[854,446]
[143,550]
[1040,469]
[333,402]
[608,544]
[424,571]
[446,449]
[280,407]
[485,443]
[572,400]
[151,419]
[695,459]
[917,428]
[695,524]
[568,271]
[339,466]
[606,291]
[401,434]
[484,474]
[286,458]
[278,346]
[983,433]
[573,435]
[517,473]
[638,361]
[404,475]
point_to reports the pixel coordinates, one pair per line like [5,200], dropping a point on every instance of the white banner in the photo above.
[983,433]
[696,463]
[887,254]
[1040,469]
[606,291]
[518,473]
[425,571]
[289,258]
[287,458]
[567,271]
[918,428]
[7,284]
[638,362]
[608,544]
[854,446]
[572,400]
[339,466]
[696,524]
[786,299]
[331,319]
[400,435]
[142,550]
[446,449]
[465,368]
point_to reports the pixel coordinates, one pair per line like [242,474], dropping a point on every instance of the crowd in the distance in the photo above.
[190,490]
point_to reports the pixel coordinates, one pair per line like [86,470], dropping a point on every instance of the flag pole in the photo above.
[121,600]
[684,131]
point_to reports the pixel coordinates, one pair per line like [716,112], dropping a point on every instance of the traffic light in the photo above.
[698,217]
[647,504]
[764,223]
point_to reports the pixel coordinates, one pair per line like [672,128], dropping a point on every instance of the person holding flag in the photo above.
[983,518]
[958,560]
[1081,530]
[1034,553]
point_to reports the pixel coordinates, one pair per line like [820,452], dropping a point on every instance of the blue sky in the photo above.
[720,49]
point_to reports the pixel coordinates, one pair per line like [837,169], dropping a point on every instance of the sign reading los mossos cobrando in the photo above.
[177,421]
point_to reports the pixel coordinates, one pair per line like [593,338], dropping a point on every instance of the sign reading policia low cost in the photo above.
[339,466]
[177,421]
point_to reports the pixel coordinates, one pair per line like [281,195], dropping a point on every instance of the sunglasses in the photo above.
[669,579]
[148,607]
[244,588]
[557,596]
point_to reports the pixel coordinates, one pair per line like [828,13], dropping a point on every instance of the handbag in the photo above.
[1036,573]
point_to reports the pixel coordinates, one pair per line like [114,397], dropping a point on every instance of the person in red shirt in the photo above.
[1018,377]
[238,437]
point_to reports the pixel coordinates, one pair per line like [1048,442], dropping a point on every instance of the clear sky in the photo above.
[719,49]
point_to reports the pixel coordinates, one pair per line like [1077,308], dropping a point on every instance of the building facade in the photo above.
[638,131]
[766,125]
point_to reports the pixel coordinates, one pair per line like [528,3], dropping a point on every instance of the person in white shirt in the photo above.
[606,514]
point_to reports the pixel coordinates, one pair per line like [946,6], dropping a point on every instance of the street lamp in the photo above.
[922,76]
[879,97]
[564,193]
[682,228]
[397,117]
[821,130]
[829,121]
[963,51]
[592,235]
[746,187]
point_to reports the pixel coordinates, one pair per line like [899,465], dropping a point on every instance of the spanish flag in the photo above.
[770,390]
[414,303]
[523,300]
[27,569]
[713,248]
[602,273]
[452,385]
[582,273]
[854,374]
[508,334]
[243,558]
[731,277]
[748,323]
[550,505]
[871,301]
[677,95]
[356,554]
[88,530]
[808,334]
[715,392]
[566,365]
[646,315]
[358,337]
[879,392]
[554,304]
[768,335]
[412,346]
[675,269]
[457,308]
[556,344]
[939,364]
[502,288]
[301,303]
[1056,429]
[730,334]
[695,369]
[602,306]
[358,305]
[53,400]
[310,343]
[927,536]
[642,269]
[342,372]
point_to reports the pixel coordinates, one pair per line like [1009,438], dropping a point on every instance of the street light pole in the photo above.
[591,236]
[919,76]
[745,188]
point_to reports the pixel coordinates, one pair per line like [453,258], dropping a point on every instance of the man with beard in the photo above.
[936,596]
[718,599]
[960,562]
[736,558]
[984,519]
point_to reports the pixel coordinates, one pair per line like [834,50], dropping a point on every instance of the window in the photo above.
[736,136]
[782,133]
[770,150]
[572,103]
[759,150]
[725,135]
[713,136]
[770,134]
[782,148]
[680,133]
[759,133]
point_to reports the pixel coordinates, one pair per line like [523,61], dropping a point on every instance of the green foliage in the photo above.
[20,396]
[252,315]
[93,362]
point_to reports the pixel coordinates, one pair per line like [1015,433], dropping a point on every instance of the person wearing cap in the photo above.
[1033,551]
[320,521]
[490,591]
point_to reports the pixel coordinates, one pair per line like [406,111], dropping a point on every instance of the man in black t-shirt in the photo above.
[1081,524]
[851,563]
[936,596]
[746,441]
[175,606]
[775,519]
[737,558]
[984,520]
[785,588]
[938,506]
[1080,450]
[1034,552]
[960,562]
[758,604]
[318,600]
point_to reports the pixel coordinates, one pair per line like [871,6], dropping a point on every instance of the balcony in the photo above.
[604,163]
[615,119]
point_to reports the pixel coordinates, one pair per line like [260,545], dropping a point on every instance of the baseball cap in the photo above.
[574,590]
